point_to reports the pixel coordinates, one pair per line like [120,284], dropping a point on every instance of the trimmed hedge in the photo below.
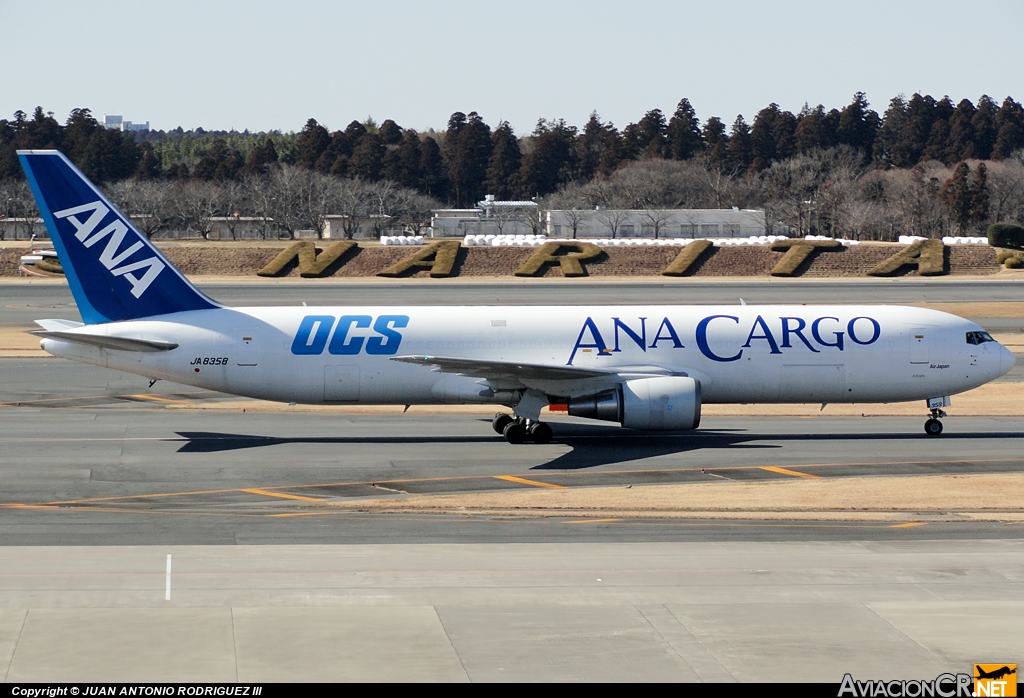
[568,255]
[1006,235]
[929,256]
[311,264]
[797,252]
[687,258]
[50,265]
[439,258]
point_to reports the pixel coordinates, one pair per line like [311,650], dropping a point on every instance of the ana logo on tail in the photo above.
[110,257]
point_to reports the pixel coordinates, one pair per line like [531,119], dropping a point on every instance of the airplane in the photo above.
[996,673]
[645,367]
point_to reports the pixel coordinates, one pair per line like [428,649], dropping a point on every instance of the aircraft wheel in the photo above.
[500,421]
[540,433]
[515,433]
[933,427]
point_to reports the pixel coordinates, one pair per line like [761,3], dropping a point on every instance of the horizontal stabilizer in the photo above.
[503,369]
[107,341]
[59,324]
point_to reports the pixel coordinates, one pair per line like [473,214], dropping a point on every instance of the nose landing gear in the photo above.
[933,427]
[516,430]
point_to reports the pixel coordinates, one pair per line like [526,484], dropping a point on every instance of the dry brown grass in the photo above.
[995,497]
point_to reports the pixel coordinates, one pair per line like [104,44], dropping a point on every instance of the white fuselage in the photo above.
[740,354]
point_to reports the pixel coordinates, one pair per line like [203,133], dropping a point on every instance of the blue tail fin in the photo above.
[114,271]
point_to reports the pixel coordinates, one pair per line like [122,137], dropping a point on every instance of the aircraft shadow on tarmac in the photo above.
[591,446]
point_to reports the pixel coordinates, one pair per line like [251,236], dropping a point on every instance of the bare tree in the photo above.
[146,202]
[719,182]
[318,194]
[574,206]
[195,203]
[353,203]
[286,200]
[234,200]
[1006,190]
[656,218]
[18,205]
[613,218]
[409,210]
[261,195]
[534,218]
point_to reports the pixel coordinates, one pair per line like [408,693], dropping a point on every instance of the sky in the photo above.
[263,65]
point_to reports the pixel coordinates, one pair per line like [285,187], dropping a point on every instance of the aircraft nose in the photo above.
[1007,360]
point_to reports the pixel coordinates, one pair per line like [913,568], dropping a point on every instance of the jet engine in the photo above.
[668,402]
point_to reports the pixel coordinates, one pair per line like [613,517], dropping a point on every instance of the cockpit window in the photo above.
[979,337]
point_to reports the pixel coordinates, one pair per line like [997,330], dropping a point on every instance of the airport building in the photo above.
[662,223]
[491,217]
[116,122]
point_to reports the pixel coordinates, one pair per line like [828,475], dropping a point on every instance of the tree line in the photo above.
[924,164]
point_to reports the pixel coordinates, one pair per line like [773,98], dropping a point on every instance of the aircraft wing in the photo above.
[504,369]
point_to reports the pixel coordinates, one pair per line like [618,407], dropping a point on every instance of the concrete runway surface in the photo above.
[510,612]
[101,478]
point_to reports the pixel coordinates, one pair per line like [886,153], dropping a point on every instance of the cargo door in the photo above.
[341,383]
[918,346]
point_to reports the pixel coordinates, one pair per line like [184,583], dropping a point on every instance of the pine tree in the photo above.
[367,157]
[984,123]
[149,164]
[432,169]
[961,144]
[552,161]
[1009,125]
[858,125]
[598,148]
[715,142]
[683,132]
[402,164]
[390,133]
[979,195]
[771,136]
[889,148]
[740,147]
[917,127]
[504,164]
[815,129]
[646,138]
[467,149]
[958,197]
[312,142]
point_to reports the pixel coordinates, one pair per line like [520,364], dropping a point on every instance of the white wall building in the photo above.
[490,217]
[667,223]
[115,121]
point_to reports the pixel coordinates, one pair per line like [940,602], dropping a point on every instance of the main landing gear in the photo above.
[516,430]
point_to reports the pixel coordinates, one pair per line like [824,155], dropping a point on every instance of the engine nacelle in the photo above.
[669,402]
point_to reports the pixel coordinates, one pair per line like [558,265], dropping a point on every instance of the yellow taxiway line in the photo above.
[785,471]
[524,481]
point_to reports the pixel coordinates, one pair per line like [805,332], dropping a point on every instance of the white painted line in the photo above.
[167,587]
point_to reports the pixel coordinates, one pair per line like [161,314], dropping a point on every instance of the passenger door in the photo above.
[248,350]
[918,345]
